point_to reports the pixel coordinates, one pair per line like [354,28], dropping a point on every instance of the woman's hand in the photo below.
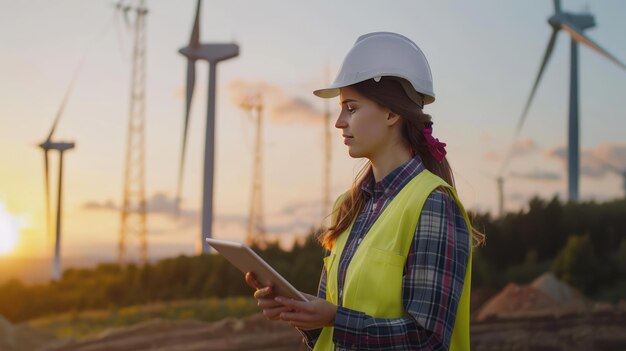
[312,314]
[266,298]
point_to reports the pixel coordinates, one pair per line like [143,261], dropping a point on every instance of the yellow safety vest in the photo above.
[373,282]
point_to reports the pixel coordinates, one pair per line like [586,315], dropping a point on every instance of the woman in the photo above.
[398,272]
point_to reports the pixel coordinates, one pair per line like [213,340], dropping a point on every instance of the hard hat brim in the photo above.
[327,93]
[419,99]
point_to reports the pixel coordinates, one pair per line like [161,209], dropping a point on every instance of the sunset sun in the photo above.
[8,231]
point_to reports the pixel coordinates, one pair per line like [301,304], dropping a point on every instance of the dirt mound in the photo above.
[252,333]
[20,338]
[515,298]
[546,294]
[567,296]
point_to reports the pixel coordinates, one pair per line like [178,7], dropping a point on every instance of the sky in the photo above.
[484,56]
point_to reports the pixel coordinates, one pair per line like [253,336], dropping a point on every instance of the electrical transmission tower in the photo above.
[133,224]
[256,225]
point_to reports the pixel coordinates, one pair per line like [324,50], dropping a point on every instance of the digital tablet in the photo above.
[246,260]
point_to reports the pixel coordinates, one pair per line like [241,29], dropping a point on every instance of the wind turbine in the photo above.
[213,53]
[574,25]
[61,147]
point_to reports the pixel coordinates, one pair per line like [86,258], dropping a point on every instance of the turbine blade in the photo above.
[121,7]
[546,57]
[557,6]
[520,123]
[194,41]
[581,38]
[64,102]
[126,18]
[191,82]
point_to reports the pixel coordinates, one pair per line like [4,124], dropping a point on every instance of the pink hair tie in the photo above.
[437,148]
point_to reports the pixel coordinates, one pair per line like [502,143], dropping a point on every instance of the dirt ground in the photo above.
[252,333]
[598,330]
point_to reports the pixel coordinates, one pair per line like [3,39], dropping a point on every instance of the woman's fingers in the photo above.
[268,303]
[296,305]
[275,313]
[315,313]
[296,318]
[264,293]
[251,281]
[265,298]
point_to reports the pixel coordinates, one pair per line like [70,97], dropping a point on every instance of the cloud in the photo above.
[277,105]
[537,175]
[232,219]
[613,153]
[299,207]
[485,138]
[517,197]
[520,147]
[296,109]
[524,147]
[492,156]
[295,218]
[159,203]
[595,162]
[296,226]
[242,93]
[95,205]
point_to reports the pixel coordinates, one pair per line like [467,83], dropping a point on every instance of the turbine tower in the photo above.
[61,147]
[213,53]
[256,223]
[133,214]
[574,25]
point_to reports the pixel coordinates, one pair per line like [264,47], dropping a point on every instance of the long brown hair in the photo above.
[389,93]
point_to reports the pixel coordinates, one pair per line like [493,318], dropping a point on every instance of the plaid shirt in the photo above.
[433,274]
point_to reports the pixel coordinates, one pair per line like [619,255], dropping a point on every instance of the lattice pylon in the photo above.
[134,221]
[256,225]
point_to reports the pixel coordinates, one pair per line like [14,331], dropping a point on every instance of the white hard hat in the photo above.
[379,54]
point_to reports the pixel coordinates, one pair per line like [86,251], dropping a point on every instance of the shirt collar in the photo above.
[393,181]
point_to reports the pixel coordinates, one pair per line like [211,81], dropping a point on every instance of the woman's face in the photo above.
[364,124]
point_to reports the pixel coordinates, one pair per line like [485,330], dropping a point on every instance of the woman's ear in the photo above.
[392,118]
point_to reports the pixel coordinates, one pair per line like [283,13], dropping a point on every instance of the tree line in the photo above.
[582,243]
